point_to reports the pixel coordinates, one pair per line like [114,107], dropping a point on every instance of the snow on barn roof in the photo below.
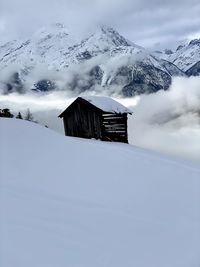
[107,104]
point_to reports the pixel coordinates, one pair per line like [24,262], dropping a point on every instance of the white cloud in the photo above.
[169,121]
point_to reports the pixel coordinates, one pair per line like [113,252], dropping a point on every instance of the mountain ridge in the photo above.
[104,59]
[186,57]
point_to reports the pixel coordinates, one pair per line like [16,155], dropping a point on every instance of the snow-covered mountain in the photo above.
[187,57]
[104,59]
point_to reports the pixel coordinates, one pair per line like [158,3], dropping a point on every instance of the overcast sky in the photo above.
[145,22]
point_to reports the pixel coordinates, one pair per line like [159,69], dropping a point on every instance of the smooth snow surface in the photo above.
[107,104]
[72,202]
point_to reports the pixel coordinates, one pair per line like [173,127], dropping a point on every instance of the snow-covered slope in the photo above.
[73,202]
[187,56]
[104,58]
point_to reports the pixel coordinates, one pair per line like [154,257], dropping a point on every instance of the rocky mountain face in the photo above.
[187,57]
[55,59]
[194,70]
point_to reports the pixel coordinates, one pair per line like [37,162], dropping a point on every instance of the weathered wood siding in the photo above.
[82,121]
[114,127]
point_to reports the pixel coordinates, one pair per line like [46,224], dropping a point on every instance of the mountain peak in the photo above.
[195,42]
[111,36]
[109,58]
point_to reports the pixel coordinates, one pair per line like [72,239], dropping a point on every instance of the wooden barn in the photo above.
[96,117]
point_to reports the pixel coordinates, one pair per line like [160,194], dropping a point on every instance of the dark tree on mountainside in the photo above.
[45,85]
[15,84]
[19,116]
[5,113]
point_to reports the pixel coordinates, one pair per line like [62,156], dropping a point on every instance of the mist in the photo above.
[166,121]
[75,78]
[169,121]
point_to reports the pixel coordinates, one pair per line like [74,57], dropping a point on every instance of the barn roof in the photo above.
[107,104]
[103,103]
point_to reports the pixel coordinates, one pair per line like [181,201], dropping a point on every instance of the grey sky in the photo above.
[145,22]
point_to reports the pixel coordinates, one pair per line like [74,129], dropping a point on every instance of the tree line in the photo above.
[6,113]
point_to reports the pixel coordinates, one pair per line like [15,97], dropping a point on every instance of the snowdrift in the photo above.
[73,202]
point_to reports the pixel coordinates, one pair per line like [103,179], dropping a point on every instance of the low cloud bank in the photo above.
[169,121]
[98,74]
[166,121]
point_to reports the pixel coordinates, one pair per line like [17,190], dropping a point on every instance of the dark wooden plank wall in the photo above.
[82,121]
[114,127]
